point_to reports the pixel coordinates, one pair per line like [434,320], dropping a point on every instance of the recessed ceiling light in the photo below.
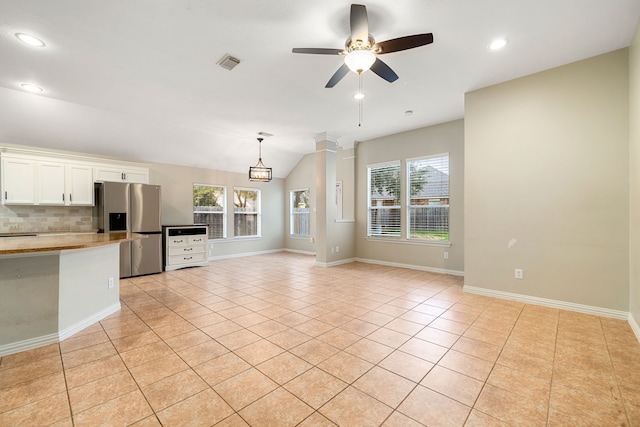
[498,44]
[359,95]
[31,88]
[30,40]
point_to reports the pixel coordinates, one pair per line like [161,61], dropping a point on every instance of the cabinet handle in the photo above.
[5,196]
[188,258]
[63,197]
[188,249]
[70,198]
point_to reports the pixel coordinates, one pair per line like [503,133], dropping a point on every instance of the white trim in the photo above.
[244,254]
[334,263]
[296,251]
[73,329]
[581,308]
[412,267]
[634,326]
[405,241]
[31,343]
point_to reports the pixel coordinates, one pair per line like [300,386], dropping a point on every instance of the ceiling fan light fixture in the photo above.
[360,61]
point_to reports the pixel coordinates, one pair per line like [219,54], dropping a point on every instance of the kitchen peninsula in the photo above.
[52,286]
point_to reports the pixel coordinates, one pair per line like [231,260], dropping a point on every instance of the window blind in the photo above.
[384,217]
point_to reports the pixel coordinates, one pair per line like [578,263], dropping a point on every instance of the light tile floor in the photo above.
[275,340]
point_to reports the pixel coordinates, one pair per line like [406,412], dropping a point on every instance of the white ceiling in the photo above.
[138,78]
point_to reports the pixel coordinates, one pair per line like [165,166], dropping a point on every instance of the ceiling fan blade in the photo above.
[337,76]
[404,43]
[359,23]
[318,51]
[384,71]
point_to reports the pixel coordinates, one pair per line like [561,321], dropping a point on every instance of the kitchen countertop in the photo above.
[61,242]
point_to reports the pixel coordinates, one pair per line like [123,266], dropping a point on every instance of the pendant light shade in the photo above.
[259,172]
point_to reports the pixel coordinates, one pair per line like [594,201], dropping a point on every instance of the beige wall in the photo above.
[177,205]
[634,190]
[443,138]
[547,184]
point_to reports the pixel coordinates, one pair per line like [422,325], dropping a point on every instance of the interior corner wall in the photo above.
[634,186]
[177,205]
[442,138]
[547,184]
[302,176]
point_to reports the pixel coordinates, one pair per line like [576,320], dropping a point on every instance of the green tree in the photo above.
[386,181]
[204,195]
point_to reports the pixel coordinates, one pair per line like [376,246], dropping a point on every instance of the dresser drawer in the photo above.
[187,258]
[178,241]
[197,240]
[180,250]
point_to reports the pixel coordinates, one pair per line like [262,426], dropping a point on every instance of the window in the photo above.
[246,212]
[208,208]
[428,213]
[384,199]
[300,217]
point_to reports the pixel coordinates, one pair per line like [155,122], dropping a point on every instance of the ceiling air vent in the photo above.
[228,62]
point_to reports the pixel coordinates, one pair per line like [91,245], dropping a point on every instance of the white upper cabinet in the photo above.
[65,184]
[40,178]
[79,179]
[18,181]
[121,174]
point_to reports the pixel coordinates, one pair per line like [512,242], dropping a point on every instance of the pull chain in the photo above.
[360,99]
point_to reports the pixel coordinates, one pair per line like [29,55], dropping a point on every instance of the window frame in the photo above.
[223,212]
[409,207]
[370,209]
[258,213]
[293,214]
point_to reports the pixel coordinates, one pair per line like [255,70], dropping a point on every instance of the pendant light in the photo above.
[259,172]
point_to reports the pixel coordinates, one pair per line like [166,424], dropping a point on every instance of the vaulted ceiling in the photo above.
[140,80]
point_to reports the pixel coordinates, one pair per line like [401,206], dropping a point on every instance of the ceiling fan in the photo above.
[361,49]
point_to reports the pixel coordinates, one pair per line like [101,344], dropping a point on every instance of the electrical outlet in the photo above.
[446,255]
[519,273]
[337,249]
[111,282]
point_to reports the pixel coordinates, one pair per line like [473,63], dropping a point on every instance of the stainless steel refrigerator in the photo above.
[135,208]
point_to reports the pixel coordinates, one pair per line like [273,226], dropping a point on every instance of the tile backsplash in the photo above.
[45,218]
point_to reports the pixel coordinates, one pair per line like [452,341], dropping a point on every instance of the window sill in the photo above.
[398,240]
[345,220]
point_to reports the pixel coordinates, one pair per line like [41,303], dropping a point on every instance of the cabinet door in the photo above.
[18,181]
[108,174]
[136,176]
[80,185]
[51,181]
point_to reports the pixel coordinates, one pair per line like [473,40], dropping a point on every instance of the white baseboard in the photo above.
[634,326]
[411,266]
[588,309]
[334,263]
[73,329]
[296,251]
[244,254]
[31,343]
